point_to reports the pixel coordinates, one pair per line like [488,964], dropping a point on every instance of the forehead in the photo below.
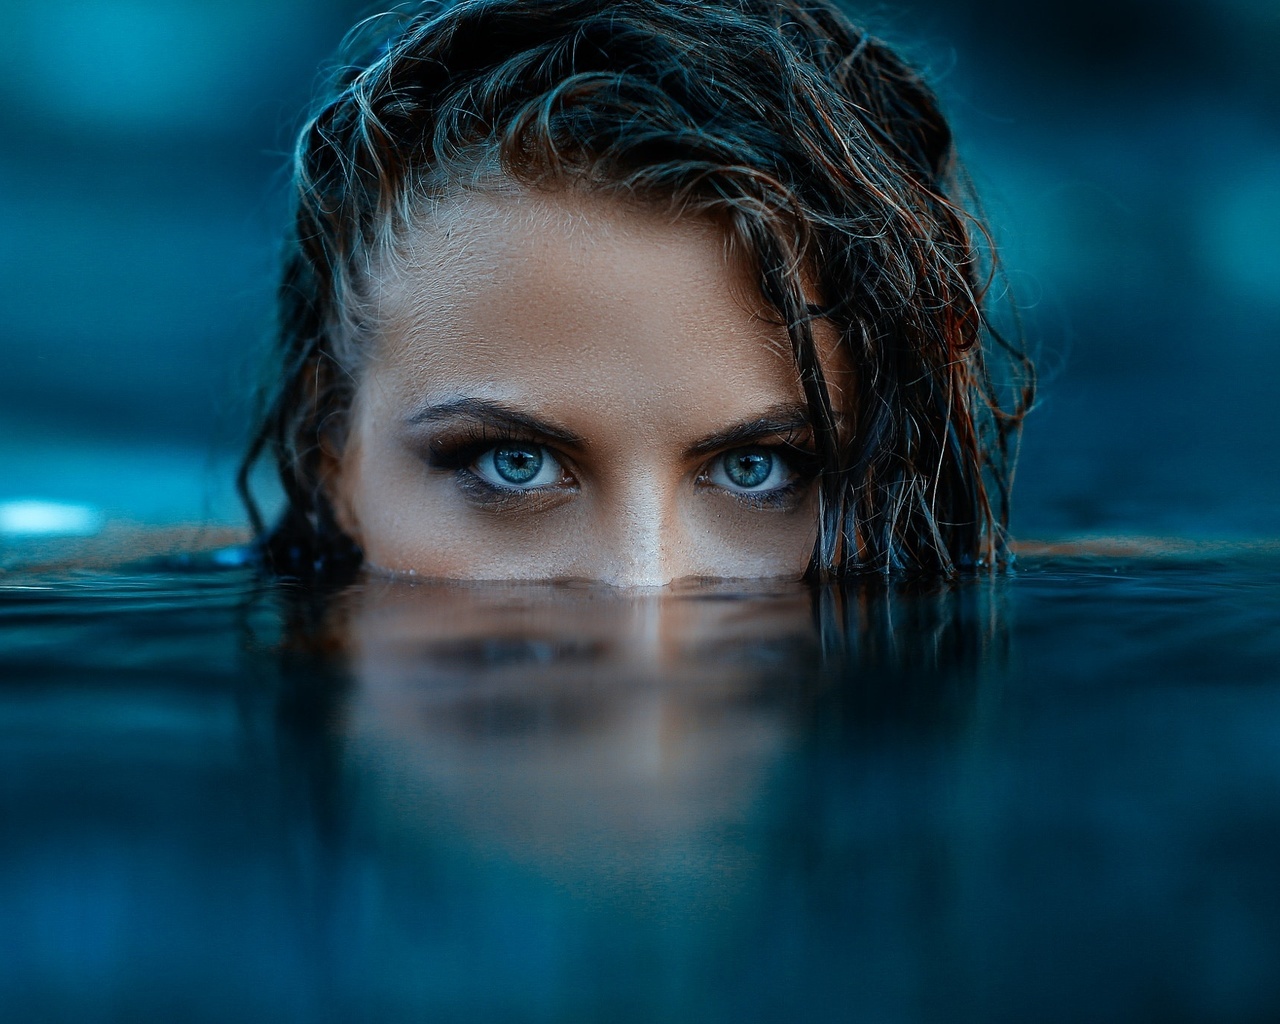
[575,303]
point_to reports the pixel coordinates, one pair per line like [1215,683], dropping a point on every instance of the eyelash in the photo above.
[800,460]
[779,497]
[460,452]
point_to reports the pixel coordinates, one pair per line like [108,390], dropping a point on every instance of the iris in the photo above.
[748,467]
[517,464]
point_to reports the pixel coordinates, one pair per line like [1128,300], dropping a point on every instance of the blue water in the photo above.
[1051,796]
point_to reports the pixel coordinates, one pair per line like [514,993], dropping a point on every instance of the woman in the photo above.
[635,292]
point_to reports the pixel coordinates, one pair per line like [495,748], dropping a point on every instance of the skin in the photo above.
[622,347]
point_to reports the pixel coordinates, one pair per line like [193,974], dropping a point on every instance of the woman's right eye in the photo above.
[517,466]
[753,470]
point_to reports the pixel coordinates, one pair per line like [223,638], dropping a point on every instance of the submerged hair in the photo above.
[826,158]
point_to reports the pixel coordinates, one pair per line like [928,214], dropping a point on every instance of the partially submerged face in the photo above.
[562,386]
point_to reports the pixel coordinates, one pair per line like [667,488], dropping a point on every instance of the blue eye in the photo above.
[749,470]
[518,466]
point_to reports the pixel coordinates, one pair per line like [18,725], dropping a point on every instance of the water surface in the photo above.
[1050,796]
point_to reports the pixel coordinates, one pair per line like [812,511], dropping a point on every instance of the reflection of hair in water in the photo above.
[686,789]
[675,781]
[500,658]
[910,653]
[466,695]
[824,156]
[297,682]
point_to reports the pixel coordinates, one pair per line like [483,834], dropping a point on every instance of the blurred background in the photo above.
[1127,151]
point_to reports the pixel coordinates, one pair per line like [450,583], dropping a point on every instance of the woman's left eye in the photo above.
[754,470]
[518,466]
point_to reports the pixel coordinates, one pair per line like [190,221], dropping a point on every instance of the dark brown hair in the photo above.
[825,156]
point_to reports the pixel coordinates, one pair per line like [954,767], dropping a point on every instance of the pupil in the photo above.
[749,469]
[517,465]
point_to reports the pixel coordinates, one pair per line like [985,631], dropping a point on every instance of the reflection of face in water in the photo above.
[584,728]
[619,738]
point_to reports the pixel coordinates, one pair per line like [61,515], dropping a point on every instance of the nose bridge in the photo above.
[647,546]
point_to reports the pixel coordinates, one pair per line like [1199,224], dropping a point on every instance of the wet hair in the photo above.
[824,156]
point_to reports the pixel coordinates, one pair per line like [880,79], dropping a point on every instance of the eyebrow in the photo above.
[493,414]
[783,419]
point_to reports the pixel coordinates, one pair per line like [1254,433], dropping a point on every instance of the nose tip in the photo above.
[638,566]
[636,578]
[648,552]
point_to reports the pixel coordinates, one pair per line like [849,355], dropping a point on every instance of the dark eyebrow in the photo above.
[785,419]
[494,414]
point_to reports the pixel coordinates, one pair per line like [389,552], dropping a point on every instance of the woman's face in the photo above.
[563,386]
